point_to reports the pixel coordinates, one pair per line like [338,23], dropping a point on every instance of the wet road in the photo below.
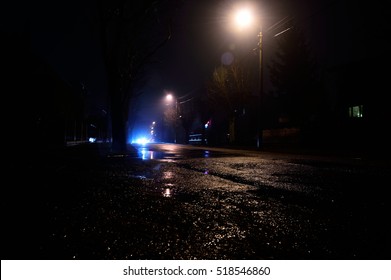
[183,202]
[243,204]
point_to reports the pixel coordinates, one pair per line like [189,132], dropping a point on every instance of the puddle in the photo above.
[167,175]
[139,177]
[170,191]
[146,154]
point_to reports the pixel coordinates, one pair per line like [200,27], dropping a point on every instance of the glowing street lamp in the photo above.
[170,98]
[243,18]
[153,131]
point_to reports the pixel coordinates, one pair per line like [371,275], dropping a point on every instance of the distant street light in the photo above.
[170,98]
[153,132]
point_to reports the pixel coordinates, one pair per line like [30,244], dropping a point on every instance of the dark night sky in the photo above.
[64,34]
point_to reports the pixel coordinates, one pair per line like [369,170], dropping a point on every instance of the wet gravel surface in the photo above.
[195,205]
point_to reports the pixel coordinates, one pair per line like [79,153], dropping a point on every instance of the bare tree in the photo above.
[228,91]
[131,32]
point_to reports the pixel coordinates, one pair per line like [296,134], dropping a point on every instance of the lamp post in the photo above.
[243,19]
[170,98]
[259,132]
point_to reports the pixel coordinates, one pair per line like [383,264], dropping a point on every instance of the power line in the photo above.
[279,23]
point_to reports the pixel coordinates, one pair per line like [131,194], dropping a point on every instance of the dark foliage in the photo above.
[297,94]
[131,34]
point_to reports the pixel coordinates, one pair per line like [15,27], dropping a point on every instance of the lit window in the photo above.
[356,111]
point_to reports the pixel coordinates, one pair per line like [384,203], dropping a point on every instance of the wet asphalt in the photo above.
[167,201]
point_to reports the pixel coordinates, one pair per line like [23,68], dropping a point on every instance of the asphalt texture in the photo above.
[85,202]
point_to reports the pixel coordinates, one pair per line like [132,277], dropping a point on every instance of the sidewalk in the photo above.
[351,151]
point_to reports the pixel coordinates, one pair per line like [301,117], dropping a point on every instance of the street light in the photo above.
[243,18]
[153,132]
[170,98]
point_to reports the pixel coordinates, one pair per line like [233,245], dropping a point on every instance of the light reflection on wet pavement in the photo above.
[202,204]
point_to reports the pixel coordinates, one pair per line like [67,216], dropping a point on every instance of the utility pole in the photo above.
[259,121]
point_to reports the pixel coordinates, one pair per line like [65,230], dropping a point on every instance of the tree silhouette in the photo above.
[40,104]
[131,33]
[296,94]
[228,92]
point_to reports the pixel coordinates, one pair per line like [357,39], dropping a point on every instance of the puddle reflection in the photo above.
[168,175]
[146,154]
[167,192]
